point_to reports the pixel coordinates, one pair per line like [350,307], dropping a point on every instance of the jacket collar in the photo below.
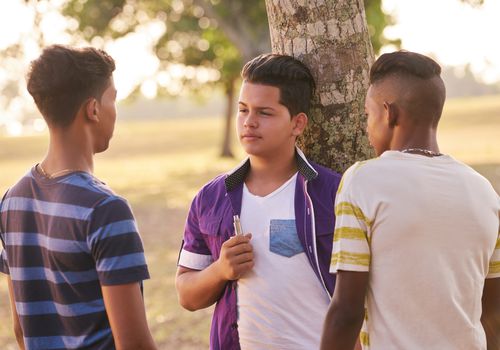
[237,176]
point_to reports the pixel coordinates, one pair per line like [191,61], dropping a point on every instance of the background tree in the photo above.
[333,38]
[12,86]
[216,34]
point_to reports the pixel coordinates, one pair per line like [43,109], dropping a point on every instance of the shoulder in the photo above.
[474,178]
[211,194]
[213,189]
[112,214]
[359,174]
[24,184]
[324,186]
[109,207]
[214,185]
[364,167]
[90,183]
[325,175]
[325,183]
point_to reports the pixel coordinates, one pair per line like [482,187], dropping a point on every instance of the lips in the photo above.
[250,137]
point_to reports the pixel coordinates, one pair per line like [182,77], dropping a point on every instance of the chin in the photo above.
[101,148]
[249,149]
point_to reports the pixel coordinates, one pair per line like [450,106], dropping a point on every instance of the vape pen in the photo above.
[237,225]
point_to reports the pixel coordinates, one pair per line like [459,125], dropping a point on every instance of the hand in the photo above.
[236,257]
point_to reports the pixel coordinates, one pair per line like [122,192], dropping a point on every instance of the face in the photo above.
[264,126]
[379,132]
[106,112]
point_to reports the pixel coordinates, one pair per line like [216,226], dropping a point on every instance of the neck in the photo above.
[418,139]
[283,165]
[68,153]
[268,174]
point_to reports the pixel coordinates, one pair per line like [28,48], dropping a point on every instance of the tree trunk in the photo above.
[331,37]
[226,142]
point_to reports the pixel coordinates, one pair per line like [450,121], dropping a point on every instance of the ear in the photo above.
[299,122]
[91,110]
[392,113]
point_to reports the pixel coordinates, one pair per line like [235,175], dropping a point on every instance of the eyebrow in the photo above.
[258,107]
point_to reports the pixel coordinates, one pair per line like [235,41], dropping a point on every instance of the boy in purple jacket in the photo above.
[271,285]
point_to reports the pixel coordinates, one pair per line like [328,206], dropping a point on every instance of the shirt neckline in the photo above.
[415,156]
[246,191]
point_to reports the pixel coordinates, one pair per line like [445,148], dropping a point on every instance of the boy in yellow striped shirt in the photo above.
[416,247]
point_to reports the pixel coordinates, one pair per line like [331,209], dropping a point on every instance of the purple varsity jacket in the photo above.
[210,223]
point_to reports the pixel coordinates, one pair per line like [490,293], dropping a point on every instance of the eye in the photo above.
[265,113]
[243,110]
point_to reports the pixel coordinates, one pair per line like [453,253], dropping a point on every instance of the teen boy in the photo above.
[72,253]
[417,231]
[271,285]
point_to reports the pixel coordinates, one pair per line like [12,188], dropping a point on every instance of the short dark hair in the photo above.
[63,78]
[420,88]
[404,63]
[289,75]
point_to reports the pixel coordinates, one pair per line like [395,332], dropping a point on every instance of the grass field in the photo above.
[159,166]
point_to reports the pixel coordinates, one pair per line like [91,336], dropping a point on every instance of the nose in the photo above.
[250,120]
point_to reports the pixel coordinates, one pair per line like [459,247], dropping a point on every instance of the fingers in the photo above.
[237,239]
[240,249]
[236,257]
[244,268]
[231,253]
[239,270]
[243,258]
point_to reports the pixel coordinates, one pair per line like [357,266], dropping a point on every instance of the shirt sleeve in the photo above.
[115,244]
[4,267]
[494,266]
[351,243]
[194,253]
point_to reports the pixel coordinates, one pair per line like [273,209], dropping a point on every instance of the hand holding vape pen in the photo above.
[237,225]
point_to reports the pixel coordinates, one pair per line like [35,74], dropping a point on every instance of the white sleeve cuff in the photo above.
[194,261]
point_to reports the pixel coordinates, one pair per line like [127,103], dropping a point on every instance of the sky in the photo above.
[453,32]
[450,31]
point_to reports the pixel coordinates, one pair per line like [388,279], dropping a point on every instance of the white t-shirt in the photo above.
[281,302]
[426,229]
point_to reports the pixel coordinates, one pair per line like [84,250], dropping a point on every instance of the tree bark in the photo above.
[331,37]
[226,142]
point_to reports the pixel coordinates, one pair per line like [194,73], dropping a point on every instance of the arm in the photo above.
[18,331]
[200,289]
[346,312]
[127,317]
[490,317]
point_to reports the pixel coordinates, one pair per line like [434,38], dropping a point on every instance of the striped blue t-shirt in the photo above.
[63,239]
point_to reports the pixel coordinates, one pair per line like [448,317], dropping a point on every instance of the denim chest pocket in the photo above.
[283,238]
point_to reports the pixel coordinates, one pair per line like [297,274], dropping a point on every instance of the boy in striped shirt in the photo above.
[416,248]
[71,250]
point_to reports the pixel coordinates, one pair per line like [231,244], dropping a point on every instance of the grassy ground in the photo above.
[160,165]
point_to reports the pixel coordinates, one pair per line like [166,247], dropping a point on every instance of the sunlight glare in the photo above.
[453,32]
[149,89]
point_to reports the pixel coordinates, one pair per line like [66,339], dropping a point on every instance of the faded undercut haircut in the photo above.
[289,75]
[63,78]
[419,78]
[404,63]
